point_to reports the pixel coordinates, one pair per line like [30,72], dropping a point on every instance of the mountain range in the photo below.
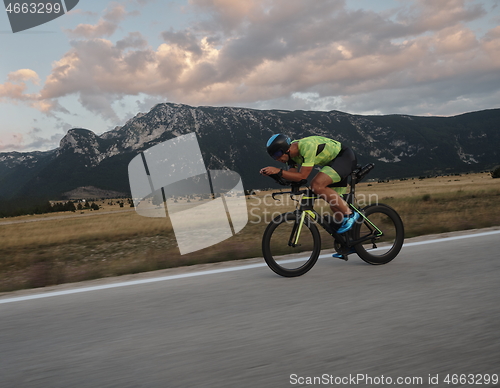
[234,138]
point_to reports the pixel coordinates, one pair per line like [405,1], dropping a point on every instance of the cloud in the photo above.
[132,40]
[79,11]
[265,52]
[14,89]
[33,141]
[143,2]
[185,40]
[24,75]
[426,15]
[106,26]
[11,141]
[103,28]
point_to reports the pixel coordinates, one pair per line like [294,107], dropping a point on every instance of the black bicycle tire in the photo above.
[398,244]
[266,249]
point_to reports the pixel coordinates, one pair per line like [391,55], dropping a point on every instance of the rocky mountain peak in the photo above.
[234,138]
[83,142]
[76,139]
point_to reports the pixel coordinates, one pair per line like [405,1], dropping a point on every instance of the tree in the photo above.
[496,172]
[69,206]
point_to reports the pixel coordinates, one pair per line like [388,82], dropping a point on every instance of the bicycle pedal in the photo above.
[339,256]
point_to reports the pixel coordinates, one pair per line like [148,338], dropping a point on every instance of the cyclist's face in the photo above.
[283,158]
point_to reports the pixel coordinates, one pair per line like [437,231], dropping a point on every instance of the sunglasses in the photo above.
[277,155]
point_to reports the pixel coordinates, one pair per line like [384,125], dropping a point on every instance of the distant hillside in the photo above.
[234,138]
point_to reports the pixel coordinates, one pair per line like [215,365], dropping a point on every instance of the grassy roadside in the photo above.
[71,249]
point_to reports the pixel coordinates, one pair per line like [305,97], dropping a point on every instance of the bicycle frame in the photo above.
[306,210]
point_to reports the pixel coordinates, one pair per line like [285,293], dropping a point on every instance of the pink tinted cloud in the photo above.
[246,51]
[106,26]
[14,89]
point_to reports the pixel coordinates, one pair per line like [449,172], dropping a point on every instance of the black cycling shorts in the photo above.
[345,163]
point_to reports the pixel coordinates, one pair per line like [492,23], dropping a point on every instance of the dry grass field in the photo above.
[37,251]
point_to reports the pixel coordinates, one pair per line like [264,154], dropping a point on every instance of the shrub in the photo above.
[496,172]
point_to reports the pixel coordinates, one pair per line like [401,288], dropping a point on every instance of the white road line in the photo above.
[130,283]
[210,272]
[444,239]
[437,240]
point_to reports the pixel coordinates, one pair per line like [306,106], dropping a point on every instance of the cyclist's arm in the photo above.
[296,176]
[290,175]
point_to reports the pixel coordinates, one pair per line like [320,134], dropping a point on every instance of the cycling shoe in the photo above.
[348,222]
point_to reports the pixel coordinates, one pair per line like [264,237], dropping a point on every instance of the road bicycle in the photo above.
[291,243]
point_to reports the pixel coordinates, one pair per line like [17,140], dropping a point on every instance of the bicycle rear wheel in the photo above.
[382,247]
[284,253]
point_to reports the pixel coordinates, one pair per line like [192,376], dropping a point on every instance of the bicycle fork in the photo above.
[297,229]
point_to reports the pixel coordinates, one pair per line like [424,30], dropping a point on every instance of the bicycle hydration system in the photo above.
[291,243]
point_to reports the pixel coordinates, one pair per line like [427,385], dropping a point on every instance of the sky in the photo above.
[105,61]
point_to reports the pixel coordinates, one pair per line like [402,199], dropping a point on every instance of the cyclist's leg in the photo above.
[336,172]
[326,177]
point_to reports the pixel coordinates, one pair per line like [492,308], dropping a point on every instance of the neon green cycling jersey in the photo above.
[308,151]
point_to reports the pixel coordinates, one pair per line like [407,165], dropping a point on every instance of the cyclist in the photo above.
[337,162]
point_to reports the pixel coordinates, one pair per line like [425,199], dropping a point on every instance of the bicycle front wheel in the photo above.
[385,232]
[289,248]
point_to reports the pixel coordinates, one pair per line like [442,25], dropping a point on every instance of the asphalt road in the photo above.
[432,312]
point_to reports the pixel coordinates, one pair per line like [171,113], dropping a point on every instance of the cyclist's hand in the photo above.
[269,170]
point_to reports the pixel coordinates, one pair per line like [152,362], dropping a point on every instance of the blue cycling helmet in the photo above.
[278,145]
